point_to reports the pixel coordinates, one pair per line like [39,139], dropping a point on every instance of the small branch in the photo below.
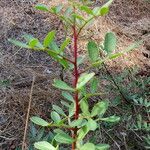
[84,25]
[67,59]
[116,84]
[93,65]
[62,126]
[112,139]
[55,53]
[90,95]
[60,17]
[28,113]
[62,56]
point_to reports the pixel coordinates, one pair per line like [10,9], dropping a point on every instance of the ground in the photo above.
[128,19]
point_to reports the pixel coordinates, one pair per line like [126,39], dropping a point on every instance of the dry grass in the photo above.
[128,19]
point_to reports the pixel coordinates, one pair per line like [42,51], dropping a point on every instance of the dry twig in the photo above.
[28,113]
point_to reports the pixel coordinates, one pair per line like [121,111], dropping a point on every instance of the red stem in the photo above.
[76,76]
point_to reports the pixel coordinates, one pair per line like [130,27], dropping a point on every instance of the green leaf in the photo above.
[58,58]
[39,121]
[68,96]
[83,91]
[39,45]
[33,130]
[68,11]
[80,60]
[66,20]
[96,11]
[33,42]
[62,85]
[93,51]
[82,132]
[28,37]
[44,145]
[18,43]
[86,9]
[108,3]
[42,7]
[59,110]
[76,16]
[59,131]
[83,79]
[40,134]
[64,44]
[116,55]
[99,108]
[55,117]
[94,85]
[59,8]
[111,119]
[53,45]
[104,11]
[84,107]
[56,9]
[77,123]
[71,110]
[102,147]
[92,124]
[65,104]
[64,138]
[53,55]
[88,146]
[110,42]
[49,38]
[63,62]
[128,49]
